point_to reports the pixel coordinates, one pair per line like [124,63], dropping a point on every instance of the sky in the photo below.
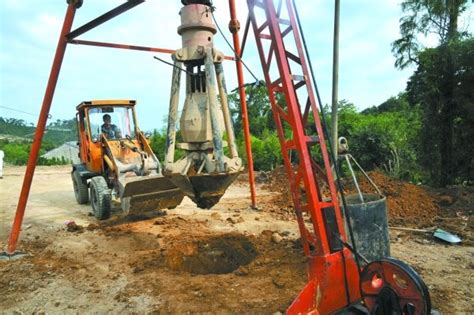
[29,35]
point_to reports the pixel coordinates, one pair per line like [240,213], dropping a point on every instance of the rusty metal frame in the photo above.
[41,126]
[129,47]
[243,99]
[103,18]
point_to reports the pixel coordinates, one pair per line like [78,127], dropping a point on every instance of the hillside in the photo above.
[57,132]
[16,136]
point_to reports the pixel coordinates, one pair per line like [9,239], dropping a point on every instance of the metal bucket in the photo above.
[369,224]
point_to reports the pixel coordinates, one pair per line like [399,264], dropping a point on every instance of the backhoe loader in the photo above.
[117,161]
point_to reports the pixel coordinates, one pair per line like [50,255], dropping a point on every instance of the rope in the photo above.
[238,58]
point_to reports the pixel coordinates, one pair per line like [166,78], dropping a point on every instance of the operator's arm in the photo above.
[104,131]
[117,132]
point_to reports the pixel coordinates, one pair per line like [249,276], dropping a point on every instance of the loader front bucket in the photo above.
[148,193]
[204,189]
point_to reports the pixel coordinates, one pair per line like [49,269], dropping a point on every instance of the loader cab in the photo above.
[114,122]
[121,125]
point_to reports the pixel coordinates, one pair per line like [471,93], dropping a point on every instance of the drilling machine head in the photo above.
[205,172]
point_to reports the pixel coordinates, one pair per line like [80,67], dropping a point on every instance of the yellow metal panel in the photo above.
[94,103]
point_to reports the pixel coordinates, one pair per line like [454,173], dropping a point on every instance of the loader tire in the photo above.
[81,191]
[101,200]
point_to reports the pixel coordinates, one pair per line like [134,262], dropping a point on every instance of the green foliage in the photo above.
[57,132]
[266,151]
[443,86]
[17,153]
[393,104]
[264,140]
[61,131]
[258,107]
[15,127]
[17,150]
[425,17]
[380,137]
[157,144]
[53,161]
[384,136]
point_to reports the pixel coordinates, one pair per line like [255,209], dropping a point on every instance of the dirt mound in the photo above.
[215,255]
[407,203]
[277,181]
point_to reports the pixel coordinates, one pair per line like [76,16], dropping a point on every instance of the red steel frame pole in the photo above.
[234,28]
[35,147]
[130,47]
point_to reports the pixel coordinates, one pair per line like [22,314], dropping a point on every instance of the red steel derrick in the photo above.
[332,268]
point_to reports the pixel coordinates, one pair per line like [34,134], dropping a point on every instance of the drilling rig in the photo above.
[204,172]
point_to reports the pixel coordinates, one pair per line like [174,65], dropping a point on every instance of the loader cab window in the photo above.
[115,122]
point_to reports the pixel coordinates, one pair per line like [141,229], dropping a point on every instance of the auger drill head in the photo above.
[204,2]
[205,171]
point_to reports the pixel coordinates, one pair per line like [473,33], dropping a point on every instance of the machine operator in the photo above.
[110,130]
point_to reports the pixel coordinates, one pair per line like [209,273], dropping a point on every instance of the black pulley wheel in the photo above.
[389,286]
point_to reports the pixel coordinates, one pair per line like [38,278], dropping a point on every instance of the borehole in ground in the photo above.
[214,255]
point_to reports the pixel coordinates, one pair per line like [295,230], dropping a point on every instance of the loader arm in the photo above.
[137,178]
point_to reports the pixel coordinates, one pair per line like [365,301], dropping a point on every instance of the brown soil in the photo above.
[187,260]
[408,205]
[406,202]
[123,269]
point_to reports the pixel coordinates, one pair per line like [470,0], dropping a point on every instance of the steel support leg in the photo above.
[243,101]
[225,110]
[212,97]
[41,126]
[173,116]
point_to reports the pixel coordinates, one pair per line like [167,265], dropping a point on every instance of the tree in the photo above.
[258,107]
[435,83]
[448,111]
[384,136]
[393,104]
[439,17]
[264,140]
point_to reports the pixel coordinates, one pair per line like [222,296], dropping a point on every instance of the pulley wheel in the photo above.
[389,286]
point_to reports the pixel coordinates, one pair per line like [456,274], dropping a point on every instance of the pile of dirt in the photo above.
[277,181]
[407,203]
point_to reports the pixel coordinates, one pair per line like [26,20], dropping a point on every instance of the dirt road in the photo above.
[224,260]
